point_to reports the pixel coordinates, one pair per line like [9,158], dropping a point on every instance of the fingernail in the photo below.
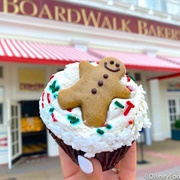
[85,165]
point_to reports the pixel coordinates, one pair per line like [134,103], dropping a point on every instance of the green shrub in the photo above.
[177,124]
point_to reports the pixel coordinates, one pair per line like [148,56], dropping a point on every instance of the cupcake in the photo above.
[94,110]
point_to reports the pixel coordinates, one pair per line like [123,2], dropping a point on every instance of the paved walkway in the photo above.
[163,162]
[41,168]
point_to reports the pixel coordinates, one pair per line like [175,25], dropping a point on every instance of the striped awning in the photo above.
[137,60]
[39,52]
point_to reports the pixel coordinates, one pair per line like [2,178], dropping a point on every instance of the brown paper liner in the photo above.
[107,159]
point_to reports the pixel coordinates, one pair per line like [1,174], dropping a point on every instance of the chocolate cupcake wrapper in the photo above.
[107,159]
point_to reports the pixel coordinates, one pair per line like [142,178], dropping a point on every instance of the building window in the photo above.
[1,105]
[137,76]
[172,110]
[167,6]
[173,7]
[153,5]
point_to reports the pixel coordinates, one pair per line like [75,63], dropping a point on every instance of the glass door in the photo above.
[174,108]
[14,134]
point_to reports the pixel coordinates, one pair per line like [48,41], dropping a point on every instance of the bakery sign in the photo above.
[31,79]
[88,16]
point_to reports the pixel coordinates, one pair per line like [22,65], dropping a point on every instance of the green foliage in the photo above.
[177,124]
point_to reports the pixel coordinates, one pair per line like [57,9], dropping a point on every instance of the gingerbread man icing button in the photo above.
[97,87]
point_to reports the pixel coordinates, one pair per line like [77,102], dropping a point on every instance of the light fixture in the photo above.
[151,12]
[110,2]
[132,8]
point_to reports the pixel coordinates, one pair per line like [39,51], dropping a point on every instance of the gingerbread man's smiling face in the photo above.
[108,67]
[113,65]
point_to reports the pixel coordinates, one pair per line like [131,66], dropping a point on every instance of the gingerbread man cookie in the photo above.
[97,87]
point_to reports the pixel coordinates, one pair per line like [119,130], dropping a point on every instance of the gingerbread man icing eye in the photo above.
[117,64]
[111,62]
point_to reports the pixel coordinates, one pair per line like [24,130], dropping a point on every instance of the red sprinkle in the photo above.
[105,124]
[128,78]
[51,76]
[43,96]
[42,105]
[48,97]
[70,110]
[54,119]
[127,110]
[130,105]
[130,121]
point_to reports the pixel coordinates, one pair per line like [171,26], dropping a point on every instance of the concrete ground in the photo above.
[163,163]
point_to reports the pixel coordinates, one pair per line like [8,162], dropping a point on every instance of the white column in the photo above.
[156,117]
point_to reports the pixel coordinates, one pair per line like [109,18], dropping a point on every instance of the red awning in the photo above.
[171,59]
[43,53]
[137,61]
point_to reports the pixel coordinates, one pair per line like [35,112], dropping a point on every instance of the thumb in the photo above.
[90,168]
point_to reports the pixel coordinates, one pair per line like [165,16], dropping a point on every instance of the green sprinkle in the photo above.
[71,117]
[132,77]
[51,110]
[55,96]
[73,121]
[119,104]
[53,87]
[100,131]
[56,89]
[108,126]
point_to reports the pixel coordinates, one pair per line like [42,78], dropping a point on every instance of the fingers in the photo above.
[90,169]
[69,168]
[127,165]
[110,175]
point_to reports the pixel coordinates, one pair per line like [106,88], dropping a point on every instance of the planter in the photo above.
[175,134]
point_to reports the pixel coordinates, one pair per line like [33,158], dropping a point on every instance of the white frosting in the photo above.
[87,139]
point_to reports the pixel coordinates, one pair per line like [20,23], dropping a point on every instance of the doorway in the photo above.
[14,136]
[174,114]
[1,104]
[34,135]
[174,108]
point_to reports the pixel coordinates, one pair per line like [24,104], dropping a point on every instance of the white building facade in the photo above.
[146,40]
